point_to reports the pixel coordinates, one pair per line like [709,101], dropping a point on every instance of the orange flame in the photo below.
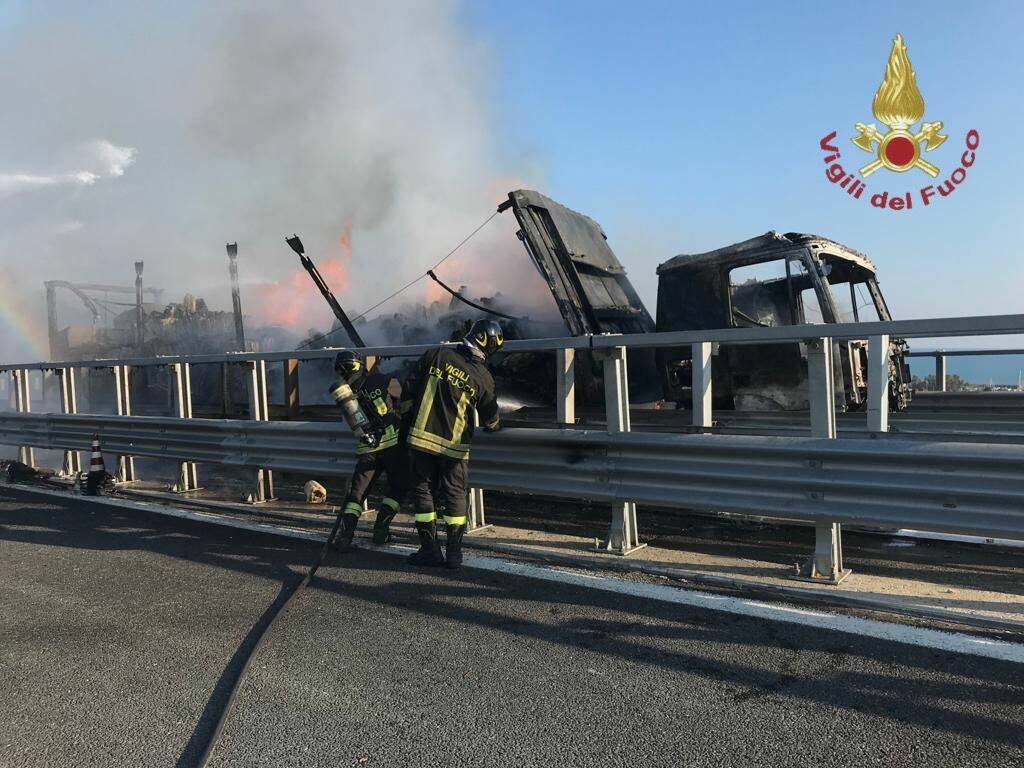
[294,301]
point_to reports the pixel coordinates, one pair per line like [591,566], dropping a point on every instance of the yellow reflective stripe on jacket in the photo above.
[426,403]
[436,443]
[460,418]
[433,444]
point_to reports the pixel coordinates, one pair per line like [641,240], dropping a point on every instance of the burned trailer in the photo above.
[589,286]
[772,280]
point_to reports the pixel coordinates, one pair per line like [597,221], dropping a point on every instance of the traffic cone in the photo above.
[97,470]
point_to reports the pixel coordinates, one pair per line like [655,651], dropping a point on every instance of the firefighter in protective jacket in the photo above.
[378,449]
[449,383]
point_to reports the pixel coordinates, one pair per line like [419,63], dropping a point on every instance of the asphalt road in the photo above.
[118,630]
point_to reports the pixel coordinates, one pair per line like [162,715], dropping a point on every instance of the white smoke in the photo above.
[253,120]
[100,160]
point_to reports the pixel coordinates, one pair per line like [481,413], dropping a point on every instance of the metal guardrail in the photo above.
[940,356]
[925,328]
[963,488]
[965,352]
[828,511]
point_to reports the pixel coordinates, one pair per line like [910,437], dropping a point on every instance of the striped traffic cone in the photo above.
[97,470]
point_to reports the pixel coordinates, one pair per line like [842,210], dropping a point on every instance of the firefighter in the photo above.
[444,389]
[372,412]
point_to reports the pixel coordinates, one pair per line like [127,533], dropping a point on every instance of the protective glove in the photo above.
[370,439]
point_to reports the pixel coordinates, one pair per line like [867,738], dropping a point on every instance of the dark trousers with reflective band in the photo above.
[438,479]
[369,466]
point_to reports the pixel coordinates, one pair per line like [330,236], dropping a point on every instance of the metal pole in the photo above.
[477,518]
[623,537]
[227,390]
[940,371]
[43,389]
[122,392]
[188,479]
[878,383]
[236,296]
[259,411]
[291,388]
[826,565]
[140,312]
[69,404]
[23,402]
[51,318]
[565,385]
[701,389]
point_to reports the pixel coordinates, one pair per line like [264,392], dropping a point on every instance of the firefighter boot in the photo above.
[453,550]
[382,525]
[343,541]
[429,552]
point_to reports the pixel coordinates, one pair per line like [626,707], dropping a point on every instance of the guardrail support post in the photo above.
[878,383]
[69,404]
[290,369]
[701,386]
[623,536]
[940,371]
[23,402]
[123,395]
[826,565]
[259,411]
[477,519]
[565,386]
[182,376]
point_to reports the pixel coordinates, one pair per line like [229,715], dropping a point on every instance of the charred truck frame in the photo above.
[771,280]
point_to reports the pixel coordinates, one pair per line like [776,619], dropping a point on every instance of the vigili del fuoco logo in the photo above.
[898,106]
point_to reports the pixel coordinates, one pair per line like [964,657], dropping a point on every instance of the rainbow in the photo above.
[20,333]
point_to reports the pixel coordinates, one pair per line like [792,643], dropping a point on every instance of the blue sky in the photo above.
[704,127]
[683,127]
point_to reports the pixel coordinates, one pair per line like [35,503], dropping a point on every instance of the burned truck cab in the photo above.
[589,286]
[772,280]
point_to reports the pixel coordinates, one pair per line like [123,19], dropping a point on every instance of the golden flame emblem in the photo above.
[898,104]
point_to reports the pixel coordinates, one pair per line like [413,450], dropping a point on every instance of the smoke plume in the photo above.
[366,128]
[100,160]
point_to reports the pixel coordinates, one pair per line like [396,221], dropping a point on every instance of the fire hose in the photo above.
[464,300]
[358,422]
[292,591]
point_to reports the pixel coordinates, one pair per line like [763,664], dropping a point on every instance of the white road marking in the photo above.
[952,642]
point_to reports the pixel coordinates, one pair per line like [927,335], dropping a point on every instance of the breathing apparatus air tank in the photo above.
[357,421]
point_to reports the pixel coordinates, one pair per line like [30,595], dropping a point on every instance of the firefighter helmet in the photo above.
[348,365]
[485,335]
